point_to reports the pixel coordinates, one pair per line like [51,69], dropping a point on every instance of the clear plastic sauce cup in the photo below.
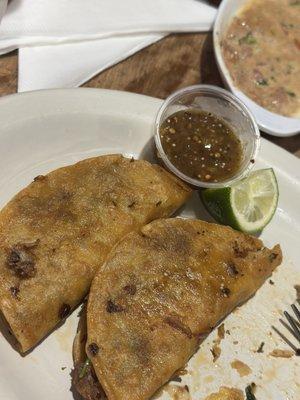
[223,105]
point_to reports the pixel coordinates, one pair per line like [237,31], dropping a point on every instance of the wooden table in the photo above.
[178,60]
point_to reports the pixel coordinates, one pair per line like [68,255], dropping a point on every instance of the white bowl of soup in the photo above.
[257,47]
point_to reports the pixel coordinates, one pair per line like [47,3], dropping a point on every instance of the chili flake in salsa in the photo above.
[201,145]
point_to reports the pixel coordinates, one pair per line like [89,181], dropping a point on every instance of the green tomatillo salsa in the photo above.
[201,145]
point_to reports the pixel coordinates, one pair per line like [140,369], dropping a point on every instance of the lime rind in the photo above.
[217,203]
[248,205]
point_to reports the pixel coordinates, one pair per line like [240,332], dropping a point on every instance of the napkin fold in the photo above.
[71,65]
[63,43]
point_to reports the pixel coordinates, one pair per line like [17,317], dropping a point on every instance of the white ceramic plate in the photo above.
[268,121]
[44,130]
[3,5]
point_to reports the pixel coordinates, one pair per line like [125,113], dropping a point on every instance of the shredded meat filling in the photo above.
[87,385]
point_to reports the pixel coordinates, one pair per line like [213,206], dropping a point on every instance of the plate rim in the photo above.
[132,103]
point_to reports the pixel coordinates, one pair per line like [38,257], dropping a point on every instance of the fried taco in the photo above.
[57,232]
[161,291]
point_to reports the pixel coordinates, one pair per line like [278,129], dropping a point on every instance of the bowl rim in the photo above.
[269,122]
[238,104]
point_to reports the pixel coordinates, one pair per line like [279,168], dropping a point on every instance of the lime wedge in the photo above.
[248,205]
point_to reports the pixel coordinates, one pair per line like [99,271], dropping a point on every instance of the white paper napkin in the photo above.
[65,42]
[70,65]
[36,22]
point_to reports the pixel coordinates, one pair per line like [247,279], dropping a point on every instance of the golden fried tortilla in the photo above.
[160,292]
[56,233]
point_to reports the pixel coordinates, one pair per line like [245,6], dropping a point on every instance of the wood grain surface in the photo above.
[177,61]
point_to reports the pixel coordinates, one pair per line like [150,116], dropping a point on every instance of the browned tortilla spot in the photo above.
[179,244]
[111,307]
[39,178]
[272,257]
[240,251]
[231,269]
[64,311]
[93,349]
[179,326]
[14,290]
[176,379]
[21,261]
[225,291]
[130,289]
